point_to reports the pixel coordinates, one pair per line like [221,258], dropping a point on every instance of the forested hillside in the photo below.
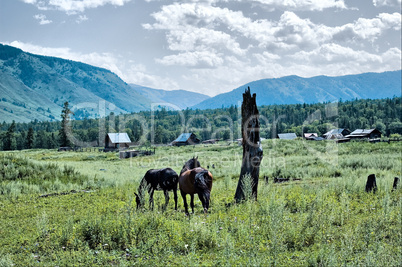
[164,126]
[35,87]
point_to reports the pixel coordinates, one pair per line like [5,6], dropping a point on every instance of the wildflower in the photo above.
[186,246]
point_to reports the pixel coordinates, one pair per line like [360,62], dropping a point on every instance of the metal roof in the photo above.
[118,138]
[310,135]
[183,137]
[287,136]
[334,132]
[362,131]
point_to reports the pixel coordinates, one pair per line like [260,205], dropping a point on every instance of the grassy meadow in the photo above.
[78,209]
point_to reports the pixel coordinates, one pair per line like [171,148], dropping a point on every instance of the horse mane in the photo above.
[191,164]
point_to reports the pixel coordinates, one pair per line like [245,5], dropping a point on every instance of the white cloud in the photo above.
[73,6]
[333,59]
[191,27]
[199,59]
[81,18]
[305,5]
[311,5]
[396,3]
[368,29]
[42,19]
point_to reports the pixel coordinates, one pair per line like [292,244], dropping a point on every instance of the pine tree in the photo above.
[10,143]
[30,138]
[65,129]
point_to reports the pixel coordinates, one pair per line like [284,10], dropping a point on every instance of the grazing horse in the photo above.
[162,179]
[195,180]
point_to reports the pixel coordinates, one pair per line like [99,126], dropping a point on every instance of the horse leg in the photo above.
[175,198]
[184,201]
[192,202]
[151,199]
[166,199]
[204,202]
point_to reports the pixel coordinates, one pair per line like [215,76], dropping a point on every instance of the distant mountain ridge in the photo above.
[35,87]
[178,99]
[294,89]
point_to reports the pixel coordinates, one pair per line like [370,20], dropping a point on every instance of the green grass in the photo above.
[324,219]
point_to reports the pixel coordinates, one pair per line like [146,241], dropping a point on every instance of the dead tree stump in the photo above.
[395,185]
[252,149]
[371,185]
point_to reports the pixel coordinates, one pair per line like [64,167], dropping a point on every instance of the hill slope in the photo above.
[181,99]
[294,89]
[35,87]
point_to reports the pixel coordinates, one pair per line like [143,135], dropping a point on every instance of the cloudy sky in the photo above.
[210,46]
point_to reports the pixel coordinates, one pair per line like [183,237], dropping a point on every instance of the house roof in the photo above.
[362,131]
[334,131]
[306,135]
[183,137]
[287,136]
[118,138]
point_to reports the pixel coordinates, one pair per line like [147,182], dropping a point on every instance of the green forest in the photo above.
[163,126]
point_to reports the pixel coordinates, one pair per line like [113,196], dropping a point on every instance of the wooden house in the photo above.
[365,133]
[310,136]
[186,139]
[117,141]
[339,133]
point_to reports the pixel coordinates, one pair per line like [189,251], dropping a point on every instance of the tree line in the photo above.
[162,126]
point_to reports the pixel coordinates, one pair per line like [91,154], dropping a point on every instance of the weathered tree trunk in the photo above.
[252,149]
[395,185]
[371,185]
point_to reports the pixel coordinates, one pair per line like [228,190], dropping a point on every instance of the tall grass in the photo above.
[325,219]
[19,175]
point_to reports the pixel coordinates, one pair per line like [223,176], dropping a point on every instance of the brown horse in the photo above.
[195,180]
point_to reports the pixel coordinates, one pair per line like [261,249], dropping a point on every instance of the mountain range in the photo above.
[295,90]
[35,87]
[175,99]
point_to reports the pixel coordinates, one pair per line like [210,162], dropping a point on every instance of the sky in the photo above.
[210,46]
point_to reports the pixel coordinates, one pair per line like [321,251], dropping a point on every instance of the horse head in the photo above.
[191,164]
[138,201]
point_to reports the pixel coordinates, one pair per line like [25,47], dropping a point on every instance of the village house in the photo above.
[186,139]
[365,133]
[117,141]
[310,136]
[287,136]
[339,133]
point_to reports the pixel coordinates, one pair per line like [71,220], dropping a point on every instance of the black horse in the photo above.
[195,180]
[163,179]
